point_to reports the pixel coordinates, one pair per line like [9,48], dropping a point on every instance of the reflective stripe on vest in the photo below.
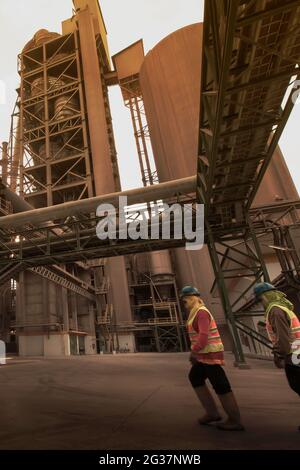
[214,342]
[294,325]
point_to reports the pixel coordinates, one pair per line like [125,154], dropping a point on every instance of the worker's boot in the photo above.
[208,404]
[231,408]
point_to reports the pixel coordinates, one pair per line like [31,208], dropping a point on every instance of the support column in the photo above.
[100,148]
[103,171]
[236,342]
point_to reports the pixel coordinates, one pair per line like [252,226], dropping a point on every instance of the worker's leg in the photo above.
[197,377]
[221,385]
[293,375]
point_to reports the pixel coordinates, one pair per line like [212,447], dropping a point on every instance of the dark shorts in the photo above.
[293,375]
[214,373]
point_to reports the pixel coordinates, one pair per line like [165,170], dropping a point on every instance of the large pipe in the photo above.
[160,262]
[134,196]
[18,203]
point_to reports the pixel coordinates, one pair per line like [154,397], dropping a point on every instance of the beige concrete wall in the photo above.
[127,342]
[44,345]
[37,300]
[56,345]
[90,345]
[31,345]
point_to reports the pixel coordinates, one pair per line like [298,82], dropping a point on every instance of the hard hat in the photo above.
[189,290]
[263,287]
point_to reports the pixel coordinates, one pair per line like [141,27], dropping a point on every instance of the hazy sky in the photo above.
[126,22]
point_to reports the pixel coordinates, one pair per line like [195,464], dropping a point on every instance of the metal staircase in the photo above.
[63,281]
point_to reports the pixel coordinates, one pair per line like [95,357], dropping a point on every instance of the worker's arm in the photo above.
[281,326]
[201,324]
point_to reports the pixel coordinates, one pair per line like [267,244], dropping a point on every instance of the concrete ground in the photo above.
[137,401]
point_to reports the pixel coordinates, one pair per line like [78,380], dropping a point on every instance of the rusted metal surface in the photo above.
[98,23]
[128,62]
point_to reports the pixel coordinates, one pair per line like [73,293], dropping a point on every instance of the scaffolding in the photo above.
[53,135]
[158,321]
[54,153]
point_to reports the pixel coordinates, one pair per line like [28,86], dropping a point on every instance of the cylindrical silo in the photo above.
[170,81]
[43,35]
[162,273]
[54,151]
[160,263]
[65,107]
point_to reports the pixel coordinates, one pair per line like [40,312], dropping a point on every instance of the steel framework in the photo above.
[50,141]
[159,319]
[251,55]
[133,99]
[74,240]
[55,161]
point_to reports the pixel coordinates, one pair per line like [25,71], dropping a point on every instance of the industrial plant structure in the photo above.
[62,149]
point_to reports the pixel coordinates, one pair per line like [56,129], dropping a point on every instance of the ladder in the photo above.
[63,282]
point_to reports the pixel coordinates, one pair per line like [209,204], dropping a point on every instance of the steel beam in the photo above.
[241,99]
[73,208]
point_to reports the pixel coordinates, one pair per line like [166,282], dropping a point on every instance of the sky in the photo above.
[126,22]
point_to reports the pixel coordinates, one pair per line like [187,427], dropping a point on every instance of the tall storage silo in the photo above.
[170,81]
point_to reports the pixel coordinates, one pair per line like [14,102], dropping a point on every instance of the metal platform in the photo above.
[251,56]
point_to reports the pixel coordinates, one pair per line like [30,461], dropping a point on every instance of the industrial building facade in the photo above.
[62,149]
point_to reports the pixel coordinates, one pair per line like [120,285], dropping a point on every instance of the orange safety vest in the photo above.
[294,326]
[214,342]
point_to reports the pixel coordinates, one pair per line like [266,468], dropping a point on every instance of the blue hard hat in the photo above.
[263,287]
[189,290]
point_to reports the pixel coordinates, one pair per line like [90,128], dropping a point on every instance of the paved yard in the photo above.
[136,401]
